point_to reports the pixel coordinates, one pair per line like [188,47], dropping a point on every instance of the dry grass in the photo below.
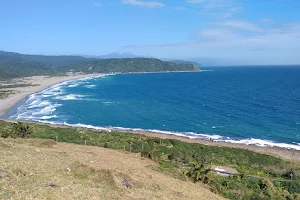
[36,169]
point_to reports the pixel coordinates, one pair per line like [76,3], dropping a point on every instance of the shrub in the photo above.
[5,134]
[147,154]
[105,145]
[22,130]
[171,156]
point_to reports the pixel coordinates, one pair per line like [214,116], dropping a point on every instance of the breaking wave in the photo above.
[262,143]
[190,135]
[71,97]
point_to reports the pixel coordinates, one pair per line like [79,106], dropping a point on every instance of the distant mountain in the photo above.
[14,65]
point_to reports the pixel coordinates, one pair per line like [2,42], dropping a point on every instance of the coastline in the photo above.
[283,153]
[279,152]
[45,82]
[38,83]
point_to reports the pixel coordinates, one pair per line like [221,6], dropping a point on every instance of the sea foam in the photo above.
[262,143]
[70,97]
[191,135]
[90,86]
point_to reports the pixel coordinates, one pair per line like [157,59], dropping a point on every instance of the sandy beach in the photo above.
[38,83]
[43,82]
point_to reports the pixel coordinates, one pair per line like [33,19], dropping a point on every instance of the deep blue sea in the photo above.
[251,105]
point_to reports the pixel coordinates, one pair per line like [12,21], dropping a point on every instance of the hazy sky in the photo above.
[238,31]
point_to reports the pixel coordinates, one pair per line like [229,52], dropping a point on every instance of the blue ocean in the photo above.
[251,105]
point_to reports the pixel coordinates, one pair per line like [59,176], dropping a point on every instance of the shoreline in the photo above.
[38,83]
[279,152]
[45,82]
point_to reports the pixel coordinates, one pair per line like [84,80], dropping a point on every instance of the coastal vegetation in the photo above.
[5,93]
[259,176]
[8,87]
[14,65]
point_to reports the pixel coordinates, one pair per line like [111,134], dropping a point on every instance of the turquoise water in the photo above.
[252,105]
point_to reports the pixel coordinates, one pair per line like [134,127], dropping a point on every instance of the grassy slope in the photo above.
[96,173]
[262,176]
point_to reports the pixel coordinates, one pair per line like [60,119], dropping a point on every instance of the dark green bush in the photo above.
[22,130]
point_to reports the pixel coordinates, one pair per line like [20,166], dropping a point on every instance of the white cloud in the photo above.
[261,41]
[240,24]
[219,38]
[215,34]
[149,4]
[211,4]
[217,8]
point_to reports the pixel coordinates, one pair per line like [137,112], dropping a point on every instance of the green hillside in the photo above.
[14,65]
[259,176]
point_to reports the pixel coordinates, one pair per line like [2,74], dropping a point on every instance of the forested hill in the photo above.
[14,65]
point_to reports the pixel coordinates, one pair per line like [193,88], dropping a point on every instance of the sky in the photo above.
[228,32]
